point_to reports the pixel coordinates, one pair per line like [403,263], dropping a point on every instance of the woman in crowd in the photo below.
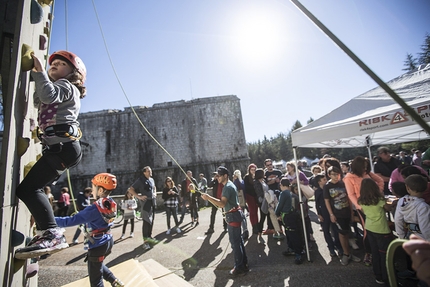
[170,196]
[251,197]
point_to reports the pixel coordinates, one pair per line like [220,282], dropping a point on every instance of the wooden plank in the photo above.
[163,276]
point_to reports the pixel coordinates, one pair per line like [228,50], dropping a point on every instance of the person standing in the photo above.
[230,202]
[272,176]
[63,202]
[216,192]
[48,193]
[145,187]
[170,196]
[129,206]
[185,193]
[83,201]
[384,166]
[251,197]
[203,185]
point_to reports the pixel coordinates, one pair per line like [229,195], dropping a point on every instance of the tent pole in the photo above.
[368,144]
[301,206]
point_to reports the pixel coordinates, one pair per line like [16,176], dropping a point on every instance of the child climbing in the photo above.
[58,94]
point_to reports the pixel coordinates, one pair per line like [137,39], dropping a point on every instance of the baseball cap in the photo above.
[222,170]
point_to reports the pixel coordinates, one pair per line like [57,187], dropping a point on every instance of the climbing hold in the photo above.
[36,12]
[22,145]
[27,62]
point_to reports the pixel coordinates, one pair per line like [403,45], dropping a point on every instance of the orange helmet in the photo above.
[105,180]
[73,59]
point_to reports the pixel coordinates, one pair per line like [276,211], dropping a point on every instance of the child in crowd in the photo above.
[308,225]
[324,218]
[288,212]
[129,205]
[58,94]
[170,196]
[412,213]
[399,190]
[98,219]
[340,211]
[379,233]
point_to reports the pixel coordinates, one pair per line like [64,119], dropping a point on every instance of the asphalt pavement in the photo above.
[205,260]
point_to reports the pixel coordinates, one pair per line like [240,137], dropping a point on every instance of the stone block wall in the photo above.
[199,134]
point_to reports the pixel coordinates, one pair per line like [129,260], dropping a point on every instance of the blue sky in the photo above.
[281,66]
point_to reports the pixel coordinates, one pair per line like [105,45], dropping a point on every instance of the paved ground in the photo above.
[205,260]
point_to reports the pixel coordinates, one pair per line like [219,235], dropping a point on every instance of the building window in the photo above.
[169,163]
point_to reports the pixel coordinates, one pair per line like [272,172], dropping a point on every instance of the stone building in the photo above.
[199,134]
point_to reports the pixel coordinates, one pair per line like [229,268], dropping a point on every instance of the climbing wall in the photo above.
[25,27]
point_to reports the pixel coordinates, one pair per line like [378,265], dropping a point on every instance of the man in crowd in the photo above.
[216,192]
[230,203]
[384,166]
[145,186]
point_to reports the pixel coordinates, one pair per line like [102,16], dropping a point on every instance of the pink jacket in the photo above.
[353,184]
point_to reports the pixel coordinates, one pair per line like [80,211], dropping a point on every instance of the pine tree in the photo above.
[424,56]
[410,63]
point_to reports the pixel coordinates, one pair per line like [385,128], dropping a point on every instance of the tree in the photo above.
[410,63]
[424,56]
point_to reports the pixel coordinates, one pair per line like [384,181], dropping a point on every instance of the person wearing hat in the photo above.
[230,202]
[216,192]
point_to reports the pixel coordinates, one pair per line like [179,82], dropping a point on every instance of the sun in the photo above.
[258,36]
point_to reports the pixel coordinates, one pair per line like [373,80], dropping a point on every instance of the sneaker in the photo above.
[298,259]
[152,241]
[178,230]
[75,241]
[131,234]
[117,283]
[51,241]
[146,246]
[245,235]
[197,223]
[122,236]
[344,260]
[332,253]
[379,281]
[168,231]
[289,252]
[367,259]
[192,223]
[354,258]
[353,244]
[269,231]
[407,274]
[278,235]
[237,272]
[210,230]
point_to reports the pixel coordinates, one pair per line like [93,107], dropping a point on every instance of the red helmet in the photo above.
[105,180]
[73,59]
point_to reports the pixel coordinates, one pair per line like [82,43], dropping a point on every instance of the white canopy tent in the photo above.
[373,116]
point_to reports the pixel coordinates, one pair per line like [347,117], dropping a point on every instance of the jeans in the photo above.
[169,212]
[125,225]
[328,226]
[97,271]
[379,245]
[44,171]
[183,207]
[235,237]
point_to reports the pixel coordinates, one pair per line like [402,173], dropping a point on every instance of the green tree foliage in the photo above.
[424,55]
[410,63]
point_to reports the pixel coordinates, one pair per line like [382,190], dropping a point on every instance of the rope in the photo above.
[128,100]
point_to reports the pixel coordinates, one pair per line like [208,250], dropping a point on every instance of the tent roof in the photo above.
[373,114]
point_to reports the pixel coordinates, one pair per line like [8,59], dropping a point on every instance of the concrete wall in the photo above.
[200,135]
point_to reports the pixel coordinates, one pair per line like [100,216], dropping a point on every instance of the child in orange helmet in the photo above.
[98,219]
[58,93]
